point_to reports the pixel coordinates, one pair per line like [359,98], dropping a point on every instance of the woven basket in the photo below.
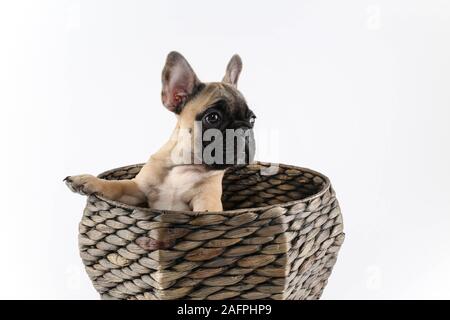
[278,238]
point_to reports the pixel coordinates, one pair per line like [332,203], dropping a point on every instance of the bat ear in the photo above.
[179,82]
[234,68]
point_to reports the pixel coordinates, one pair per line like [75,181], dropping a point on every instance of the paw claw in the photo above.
[69,184]
[80,184]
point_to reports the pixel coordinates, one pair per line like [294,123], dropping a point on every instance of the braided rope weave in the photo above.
[280,241]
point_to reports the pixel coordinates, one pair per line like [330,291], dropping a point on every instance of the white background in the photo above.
[359,90]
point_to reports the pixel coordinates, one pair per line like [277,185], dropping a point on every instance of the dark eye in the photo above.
[212,118]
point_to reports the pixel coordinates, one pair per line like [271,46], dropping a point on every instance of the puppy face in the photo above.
[215,115]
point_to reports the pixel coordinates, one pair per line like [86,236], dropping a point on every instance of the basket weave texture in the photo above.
[278,238]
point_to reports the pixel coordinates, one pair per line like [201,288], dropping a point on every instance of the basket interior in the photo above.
[255,185]
[252,186]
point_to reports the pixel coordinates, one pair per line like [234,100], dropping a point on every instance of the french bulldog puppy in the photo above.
[186,172]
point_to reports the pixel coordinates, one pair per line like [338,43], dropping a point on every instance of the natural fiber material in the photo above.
[280,241]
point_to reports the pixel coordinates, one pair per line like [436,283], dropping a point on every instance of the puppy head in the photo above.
[215,115]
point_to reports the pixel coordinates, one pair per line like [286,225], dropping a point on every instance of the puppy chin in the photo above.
[217,166]
[230,152]
[243,160]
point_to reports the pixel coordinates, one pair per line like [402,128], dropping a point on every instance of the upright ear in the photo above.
[179,82]
[234,68]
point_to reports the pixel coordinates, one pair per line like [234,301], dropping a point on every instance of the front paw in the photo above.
[84,184]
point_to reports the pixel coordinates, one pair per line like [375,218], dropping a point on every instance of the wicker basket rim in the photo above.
[225,212]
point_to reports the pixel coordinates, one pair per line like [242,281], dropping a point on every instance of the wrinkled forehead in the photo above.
[209,95]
